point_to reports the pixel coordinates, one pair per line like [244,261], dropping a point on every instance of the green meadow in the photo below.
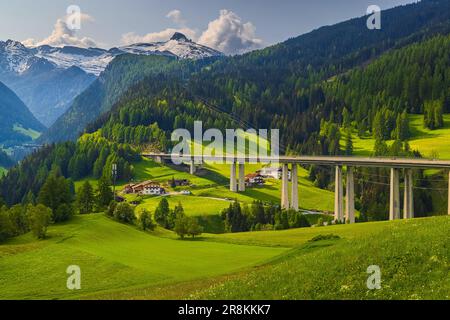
[430,143]
[192,205]
[33,134]
[112,257]
[413,257]
[120,262]
[210,189]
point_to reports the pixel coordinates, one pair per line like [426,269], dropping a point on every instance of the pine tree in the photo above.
[85,199]
[104,193]
[145,221]
[54,193]
[349,144]
[346,121]
[39,218]
[162,213]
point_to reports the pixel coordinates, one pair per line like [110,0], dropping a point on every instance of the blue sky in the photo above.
[111,23]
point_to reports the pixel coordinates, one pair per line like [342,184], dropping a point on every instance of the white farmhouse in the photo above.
[153,190]
[272,172]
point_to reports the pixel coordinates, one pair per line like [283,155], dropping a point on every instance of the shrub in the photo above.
[181,227]
[39,218]
[320,222]
[321,237]
[110,211]
[194,229]
[145,221]
[187,226]
[124,213]
[63,213]
[6,227]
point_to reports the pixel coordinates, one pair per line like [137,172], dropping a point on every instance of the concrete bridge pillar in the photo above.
[233,185]
[408,203]
[339,196]
[285,187]
[241,177]
[192,169]
[394,202]
[350,195]
[159,159]
[294,179]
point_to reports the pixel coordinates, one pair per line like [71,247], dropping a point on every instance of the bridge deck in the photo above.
[324,160]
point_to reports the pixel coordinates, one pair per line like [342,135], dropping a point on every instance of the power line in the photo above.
[243,123]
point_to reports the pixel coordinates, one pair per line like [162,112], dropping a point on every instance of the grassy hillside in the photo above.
[428,142]
[211,187]
[214,183]
[193,206]
[412,267]
[413,256]
[112,256]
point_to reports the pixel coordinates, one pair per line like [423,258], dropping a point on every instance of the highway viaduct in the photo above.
[343,210]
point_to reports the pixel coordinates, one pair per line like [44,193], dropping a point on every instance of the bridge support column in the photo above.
[408,203]
[159,160]
[350,197]
[339,196]
[241,177]
[285,187]
[394,202]
[192,169]
[294,179]
[233,185]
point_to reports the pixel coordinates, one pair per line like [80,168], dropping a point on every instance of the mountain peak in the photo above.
[179,37]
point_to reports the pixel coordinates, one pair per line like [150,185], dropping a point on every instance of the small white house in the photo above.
[153,190]
[274,173]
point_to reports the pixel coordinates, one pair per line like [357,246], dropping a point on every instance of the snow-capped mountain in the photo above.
[91,60]
[15,57]
[18,58]
[178,45]
[48,79]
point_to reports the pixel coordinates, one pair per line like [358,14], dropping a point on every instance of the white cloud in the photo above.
[230,35]
[164,35]
[62,35]
[176,17]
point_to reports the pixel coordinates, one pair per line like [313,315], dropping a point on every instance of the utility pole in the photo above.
[114,177]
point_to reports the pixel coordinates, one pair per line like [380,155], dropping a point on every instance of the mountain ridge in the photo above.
[14,114]
[43,76]
[322,53]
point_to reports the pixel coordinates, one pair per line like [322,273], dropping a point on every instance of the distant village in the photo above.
[152,188]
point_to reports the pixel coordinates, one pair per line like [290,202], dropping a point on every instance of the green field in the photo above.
[113,256]
[429,142]
[413,257]
[119,262]
[211,187]
[28,132]
[2,171]
[193,206]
